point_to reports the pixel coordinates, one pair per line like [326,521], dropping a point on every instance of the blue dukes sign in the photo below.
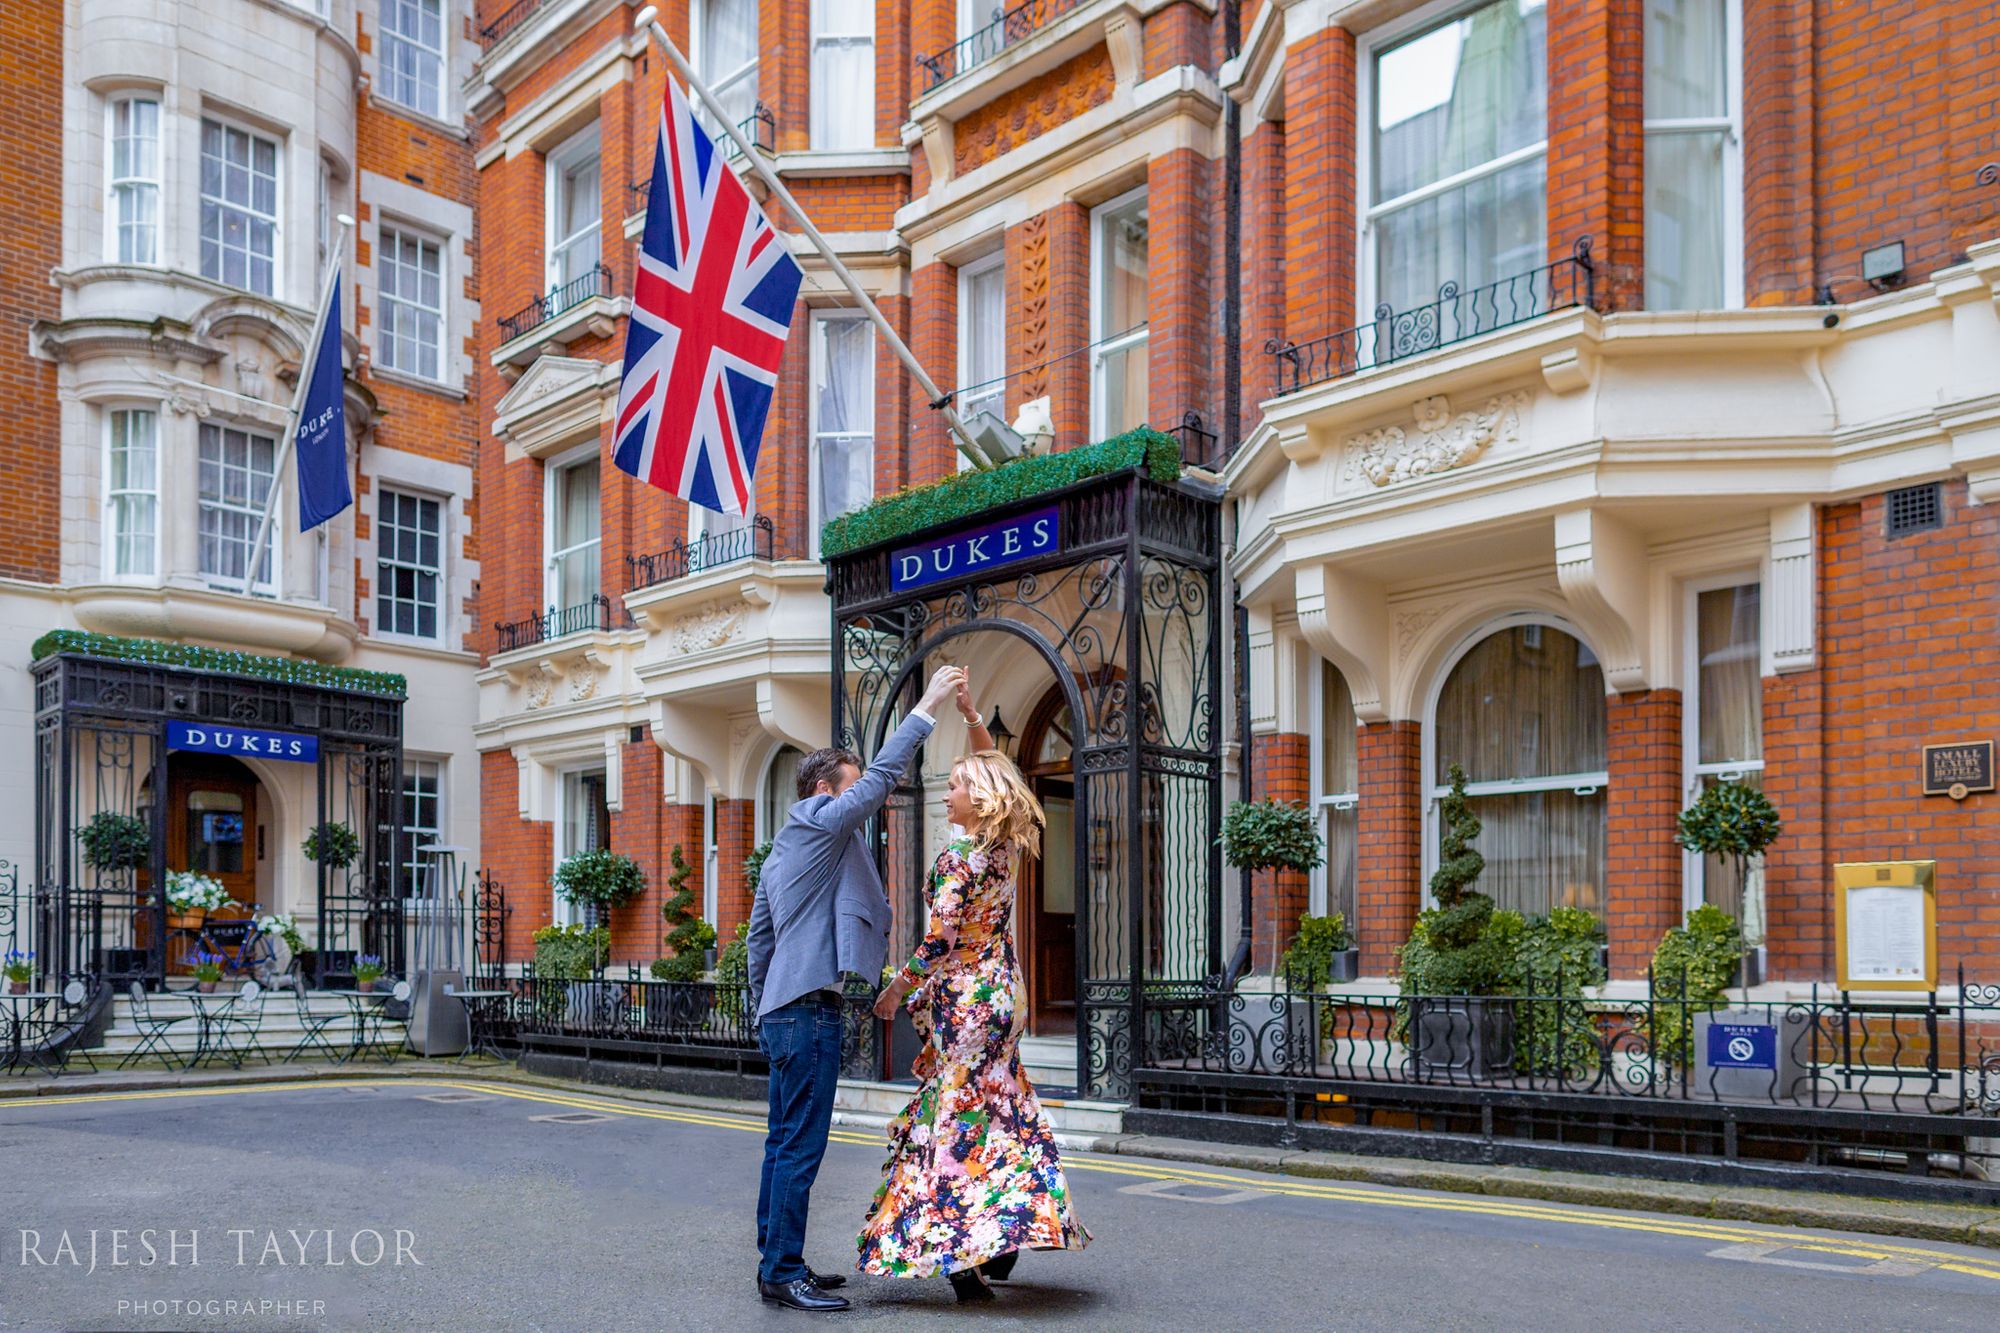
[974,551]
[203,738]
[1742,1046]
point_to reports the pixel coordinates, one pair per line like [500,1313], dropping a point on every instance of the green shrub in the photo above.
[687,934]
[573,952]
[601,878]
[285,669]
[1554,958]
[1308,962]
[116,842]
[331,844]
[1270,835]
[732,976]
[1690,973]
[753,867]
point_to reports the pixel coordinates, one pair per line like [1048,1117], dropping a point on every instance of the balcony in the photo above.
[510,18]
[582,307]
[1396,335]
[542,627]
[711,550]
[1006,28]
[543,309]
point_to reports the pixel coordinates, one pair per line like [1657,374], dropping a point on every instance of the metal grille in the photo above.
[1915,509]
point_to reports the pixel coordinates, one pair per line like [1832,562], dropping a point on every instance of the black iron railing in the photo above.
[1394,335]
[708,551]
[597,282]
[510,18]
[555,623]
[760,127]
[1006,27]
[1199,447]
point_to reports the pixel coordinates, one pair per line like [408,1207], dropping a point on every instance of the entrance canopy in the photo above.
[1110,579]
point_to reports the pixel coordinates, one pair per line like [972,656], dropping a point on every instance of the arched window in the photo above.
[781,790]
[1523,712]
[1336,793]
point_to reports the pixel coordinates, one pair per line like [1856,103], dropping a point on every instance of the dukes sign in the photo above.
[974,551]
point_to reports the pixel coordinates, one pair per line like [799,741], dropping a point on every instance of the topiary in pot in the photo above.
[116,842]
[687,934]
[1460,947]
[1270,835]
[599,879]
[1735,821]
[332,844]
[1312,959]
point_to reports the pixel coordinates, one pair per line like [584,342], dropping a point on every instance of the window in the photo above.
[131,493]
[781,792]
[423,783]
[573,534]
[408,564]
[1337,794]
[1119,240]
[982,337]
[1524,715]
[574,205]
[725,40]
[585,827]
[134,179]
[1457,152]
[1724,719]
[236,478]
[843,74]
[1693,172]
[843,417]
[328,207]
[413,54]
[239,207]
[411,277]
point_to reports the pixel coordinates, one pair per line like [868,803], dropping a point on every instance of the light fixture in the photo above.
[1003,739]
[1882,267]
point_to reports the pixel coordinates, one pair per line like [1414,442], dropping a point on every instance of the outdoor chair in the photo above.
[312,1026]
[153,1028]
[235,1029]
[68,1033]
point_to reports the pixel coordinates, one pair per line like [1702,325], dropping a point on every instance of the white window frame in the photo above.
[1731,126]
[1325,801]
[439,765]
[379,526]
[562,912]
[719,83]
[969,404]
[1693,867]
[1411,25]
[441,54]
[1583,784]
[113,182]
[551,583]
[267,587]
[816,515]
[584,143]
[1103,343]
[405,232]
[110,529]
[277,219]
[821,40]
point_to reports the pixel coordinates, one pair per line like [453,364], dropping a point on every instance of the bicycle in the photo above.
[243,948]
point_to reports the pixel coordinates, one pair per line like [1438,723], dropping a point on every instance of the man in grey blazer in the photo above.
[821,912]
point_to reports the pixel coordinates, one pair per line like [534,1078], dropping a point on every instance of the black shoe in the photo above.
[969,1288]
[799,1294]
[826,1281]
[1001,1266]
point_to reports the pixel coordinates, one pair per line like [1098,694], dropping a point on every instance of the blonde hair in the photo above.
[1007,811]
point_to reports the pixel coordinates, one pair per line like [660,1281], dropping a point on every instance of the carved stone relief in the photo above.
[707,628]
[1439,443]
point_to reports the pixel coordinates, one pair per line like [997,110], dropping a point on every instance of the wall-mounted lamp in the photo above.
[1003,739]
[1882,267]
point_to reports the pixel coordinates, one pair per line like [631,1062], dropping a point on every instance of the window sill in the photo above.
[411,380]
[389,106]
[820,163]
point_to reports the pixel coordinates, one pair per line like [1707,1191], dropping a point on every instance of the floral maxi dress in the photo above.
[973,1171]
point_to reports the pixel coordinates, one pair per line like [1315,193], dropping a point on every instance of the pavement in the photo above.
[428,1196]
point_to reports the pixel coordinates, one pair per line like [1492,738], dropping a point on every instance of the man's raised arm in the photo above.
[851,808]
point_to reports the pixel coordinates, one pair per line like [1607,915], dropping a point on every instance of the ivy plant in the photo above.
[1690,974]
[1308,962]
[285,669]
[331,844]
[687,934]
[600,878]
[116,842]
[1270,835]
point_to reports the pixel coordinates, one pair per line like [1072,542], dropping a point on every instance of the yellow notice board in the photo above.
[1885,925]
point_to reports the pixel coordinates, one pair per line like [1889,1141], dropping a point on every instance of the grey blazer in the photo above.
[821,910]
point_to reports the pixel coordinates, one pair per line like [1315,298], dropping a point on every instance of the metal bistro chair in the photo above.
[67,1033]
[312,1026]
[235,1028]
[153,1028]
[399,995]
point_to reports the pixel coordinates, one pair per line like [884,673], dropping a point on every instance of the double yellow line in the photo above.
[1722,1233]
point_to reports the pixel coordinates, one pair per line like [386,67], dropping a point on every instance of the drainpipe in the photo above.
[1231,16]
[1239,961]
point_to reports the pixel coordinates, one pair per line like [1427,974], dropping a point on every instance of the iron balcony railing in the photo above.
[1007,27]
[510,18]
[1394,335]
[711,550]
[555,623]
[597,282]
[760,127]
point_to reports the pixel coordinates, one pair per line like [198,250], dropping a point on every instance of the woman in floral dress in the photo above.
[973,1176]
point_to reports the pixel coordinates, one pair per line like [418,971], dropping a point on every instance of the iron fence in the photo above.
[711,550]
[543,308]
[1005,28]
[555,623]
[510,18]
[1394,335]
[760,127]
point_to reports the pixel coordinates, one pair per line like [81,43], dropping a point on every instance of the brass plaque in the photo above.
[1958,769]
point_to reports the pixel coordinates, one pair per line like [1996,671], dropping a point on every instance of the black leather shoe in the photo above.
[826,1281]
[799,1294]
[968,1288]
[1001,1266]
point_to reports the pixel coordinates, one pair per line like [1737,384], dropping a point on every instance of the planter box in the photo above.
[1461,1037]
[1746,1055]
[1755,962]
[1346,965]
[1271,1034]
[678,1006]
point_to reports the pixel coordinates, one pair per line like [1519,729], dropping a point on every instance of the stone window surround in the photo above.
[398,203]
[450,484]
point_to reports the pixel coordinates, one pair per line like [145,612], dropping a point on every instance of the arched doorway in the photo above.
[1045,909]
[212,821]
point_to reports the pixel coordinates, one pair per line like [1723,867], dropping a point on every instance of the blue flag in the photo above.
[321,441]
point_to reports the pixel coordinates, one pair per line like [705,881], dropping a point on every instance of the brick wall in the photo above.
[1263,267]
[31,149]
[1280,768]
[1596,164]
[1184,201]
[735,839]
[1388,847]
[1642,864]
[1318,184]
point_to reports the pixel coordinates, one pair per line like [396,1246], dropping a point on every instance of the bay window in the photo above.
[843,75]
[843,416]
[1336,794]
[1693,169]
[134,181]
[1723,716]
[1119,254]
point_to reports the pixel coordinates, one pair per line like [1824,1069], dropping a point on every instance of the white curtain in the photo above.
[729,55]
[985,341]
[576,535]
[843,75]
[1730,730]
[1339,775]
[1687,73]
[845,421]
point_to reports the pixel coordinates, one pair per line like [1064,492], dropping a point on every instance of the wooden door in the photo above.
[1049,915]
[212,821]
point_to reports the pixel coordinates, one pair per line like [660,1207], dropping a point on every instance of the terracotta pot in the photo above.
[188,920]
[17,987]
[368,985]
[206,987]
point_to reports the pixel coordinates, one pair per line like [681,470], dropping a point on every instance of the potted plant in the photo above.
[1321,951]
[570,955]
[115,842]
[1270,835]
[207,969]
[333,845]
[19,970]
[1735,821]
[191,896]
[1454,967]
[367,971]
[598,881]
[681,1005]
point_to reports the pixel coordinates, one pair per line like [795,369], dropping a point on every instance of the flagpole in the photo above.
[307,365]
[648,18]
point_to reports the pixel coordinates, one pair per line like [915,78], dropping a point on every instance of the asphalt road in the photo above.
[634,1215]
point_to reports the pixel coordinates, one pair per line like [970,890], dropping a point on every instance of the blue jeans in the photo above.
[802,1042]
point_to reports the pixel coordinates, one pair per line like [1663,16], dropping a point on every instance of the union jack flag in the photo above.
[711,306]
